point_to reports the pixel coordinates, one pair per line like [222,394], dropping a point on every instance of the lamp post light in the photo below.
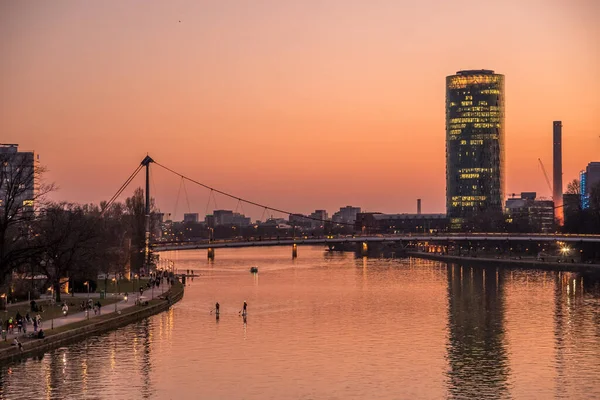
[87,283]
[117,285]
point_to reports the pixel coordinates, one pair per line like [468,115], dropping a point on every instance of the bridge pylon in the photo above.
[146,163]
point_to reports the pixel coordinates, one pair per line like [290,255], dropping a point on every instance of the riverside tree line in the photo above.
[62,240]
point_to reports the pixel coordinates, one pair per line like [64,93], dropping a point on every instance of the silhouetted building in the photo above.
[190,217]
[571,205]
[299,220]
[346,215]
[156,225]
[557,190]
[474,145]
[528,214]
[318,218]
[400,223]
[588,179]
[228,217]
[18,167]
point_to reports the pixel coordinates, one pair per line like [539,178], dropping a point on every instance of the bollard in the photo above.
[294,250]
[211,253]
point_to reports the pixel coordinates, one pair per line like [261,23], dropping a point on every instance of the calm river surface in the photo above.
[332,326]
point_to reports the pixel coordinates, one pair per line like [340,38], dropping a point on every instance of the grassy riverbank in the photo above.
[121,286]
[54,311]
[100,323]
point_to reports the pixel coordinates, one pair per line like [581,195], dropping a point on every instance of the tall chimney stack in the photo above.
[418,206]
[557,189]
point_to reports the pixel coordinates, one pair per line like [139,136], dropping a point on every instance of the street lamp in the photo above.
[87,283]
[117,283]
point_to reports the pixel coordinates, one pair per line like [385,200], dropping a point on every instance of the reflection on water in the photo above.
[329,325]
[477,353]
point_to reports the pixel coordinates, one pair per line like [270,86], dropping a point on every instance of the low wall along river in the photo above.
[83,329]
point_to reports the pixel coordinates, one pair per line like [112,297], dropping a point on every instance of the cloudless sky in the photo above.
[301,105]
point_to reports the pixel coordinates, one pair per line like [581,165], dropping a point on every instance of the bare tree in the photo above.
[136,213]
[69,238]
[111,255]
[574,187]
[22,194]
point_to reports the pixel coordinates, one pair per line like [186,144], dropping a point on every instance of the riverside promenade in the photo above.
[78,325]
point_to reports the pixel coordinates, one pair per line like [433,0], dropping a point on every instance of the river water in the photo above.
[333,326]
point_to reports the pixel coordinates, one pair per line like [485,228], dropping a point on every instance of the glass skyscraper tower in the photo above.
[474,145]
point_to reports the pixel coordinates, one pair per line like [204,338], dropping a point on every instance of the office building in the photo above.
[299,220]
[318,218]
[529,214]
[228,217]
[18,167]
[370,223]
[346,215]
[588,179]
[475,169]
[190,217]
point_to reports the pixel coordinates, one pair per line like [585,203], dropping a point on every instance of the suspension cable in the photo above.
[247,201]
[121,189]
[187,198]
[208,203]
[177,199]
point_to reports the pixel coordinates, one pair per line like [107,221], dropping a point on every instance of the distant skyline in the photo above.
[300,105]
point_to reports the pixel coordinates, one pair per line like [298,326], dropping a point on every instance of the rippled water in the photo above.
[332,326]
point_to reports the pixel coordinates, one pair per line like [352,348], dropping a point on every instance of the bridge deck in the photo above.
[375,239]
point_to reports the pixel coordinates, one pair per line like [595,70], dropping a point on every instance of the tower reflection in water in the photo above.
[476,347]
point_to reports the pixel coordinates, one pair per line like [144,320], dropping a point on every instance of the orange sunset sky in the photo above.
[301,105]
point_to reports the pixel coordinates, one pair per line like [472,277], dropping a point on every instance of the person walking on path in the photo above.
[217,309]
[245,308]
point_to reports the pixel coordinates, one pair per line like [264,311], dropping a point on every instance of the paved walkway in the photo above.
[82,315]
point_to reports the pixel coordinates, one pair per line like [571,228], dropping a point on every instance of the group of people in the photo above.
[243,312]
[154,281]
[21,322]
[90,305]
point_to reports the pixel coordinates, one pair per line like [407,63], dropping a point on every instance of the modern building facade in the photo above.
[475,168]
[536,214]
[346,215]
[371,223]
[588,179]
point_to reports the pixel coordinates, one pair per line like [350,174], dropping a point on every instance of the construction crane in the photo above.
[545,175]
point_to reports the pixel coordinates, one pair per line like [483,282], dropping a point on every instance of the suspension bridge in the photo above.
[360,243]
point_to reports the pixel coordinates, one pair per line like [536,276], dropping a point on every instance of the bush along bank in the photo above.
[82,329]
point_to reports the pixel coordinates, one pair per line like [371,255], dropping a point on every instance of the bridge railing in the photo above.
[356,237]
